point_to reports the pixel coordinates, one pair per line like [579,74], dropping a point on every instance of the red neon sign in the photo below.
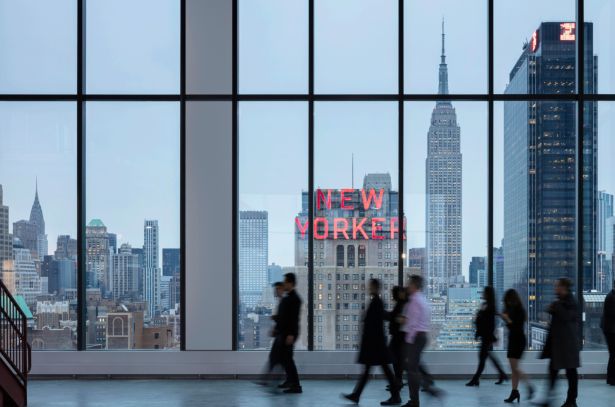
[534,42]
[567,31]
[350,228]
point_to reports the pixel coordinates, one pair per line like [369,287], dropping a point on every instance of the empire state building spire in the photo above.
[443,78]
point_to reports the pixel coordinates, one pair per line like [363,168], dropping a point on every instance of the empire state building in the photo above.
[443,192]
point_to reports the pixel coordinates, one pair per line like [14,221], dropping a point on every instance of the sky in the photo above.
[133,148]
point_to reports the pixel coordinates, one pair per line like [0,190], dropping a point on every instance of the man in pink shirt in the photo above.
[416,326]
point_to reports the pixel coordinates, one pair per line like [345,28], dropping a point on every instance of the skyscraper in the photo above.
[66,248]
[170,262]
[477,266]
[6,241]
[27,233]
[253,256]
[37,218]
[124,272]
[443,192]
[603,262]
[97,246]
[539,170]
[151,272]
[20,276]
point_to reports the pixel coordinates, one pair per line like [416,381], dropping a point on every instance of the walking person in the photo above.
[416,327]
[287,323]
[514,316]
[275,352]
[485,330]
[373,350]
[397,341]
[608,328]
[562,346]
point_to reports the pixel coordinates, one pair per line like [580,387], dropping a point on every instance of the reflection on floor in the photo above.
[321,393]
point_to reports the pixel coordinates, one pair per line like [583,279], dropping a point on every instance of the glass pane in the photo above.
[273,46]
[38,46]
[132,46]
[356,217]
[534,204]
[601,15]
[445,201]
[38,202]
[600,191]
[464,23]
[132,196]
[534,51]
[356,46]
[270,193]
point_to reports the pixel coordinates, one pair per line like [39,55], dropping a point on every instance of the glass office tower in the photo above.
[540,157]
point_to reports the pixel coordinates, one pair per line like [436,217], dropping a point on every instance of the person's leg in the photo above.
[414,362]
[495,362]
[398,360]
[292,376]
[552,380]
[514,367]
[358,389]
[482,358]
[573,385]
[610,373]
[394,385]
[427,380]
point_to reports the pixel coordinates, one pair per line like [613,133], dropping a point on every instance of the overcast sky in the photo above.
[133,148]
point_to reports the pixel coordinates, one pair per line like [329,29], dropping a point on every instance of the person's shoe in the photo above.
[393,401]
[411,404]
[514,396]
[473,383]
[284,385]
[293,390]
[351,397]
[570,404]
[503,378]
[541,403]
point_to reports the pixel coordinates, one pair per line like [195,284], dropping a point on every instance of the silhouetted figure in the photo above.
[562,346]
[485,330]
[275,354]
[416,327]
[397,341]
[374,351]
[514,316]
[287,324]
[608,327]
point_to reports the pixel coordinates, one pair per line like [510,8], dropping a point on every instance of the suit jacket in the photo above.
[607,322]
[374,350]
[287,321]
[562,345]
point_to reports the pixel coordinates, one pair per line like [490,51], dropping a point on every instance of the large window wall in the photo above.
[471,121]
[463,125]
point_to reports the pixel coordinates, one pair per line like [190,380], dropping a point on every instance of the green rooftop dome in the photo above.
[96,223]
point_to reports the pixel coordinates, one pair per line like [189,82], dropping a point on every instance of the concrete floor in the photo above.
[321,393]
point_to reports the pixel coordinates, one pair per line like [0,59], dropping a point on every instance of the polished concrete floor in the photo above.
[322,393]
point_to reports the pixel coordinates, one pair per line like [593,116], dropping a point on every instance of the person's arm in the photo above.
[562,312]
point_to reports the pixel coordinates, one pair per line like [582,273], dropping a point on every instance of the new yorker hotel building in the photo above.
[539,171]
[356,237]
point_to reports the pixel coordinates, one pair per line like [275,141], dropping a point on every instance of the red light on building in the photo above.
[567,31]
[534,42]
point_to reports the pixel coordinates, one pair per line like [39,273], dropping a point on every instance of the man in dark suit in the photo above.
[276,348]
[287,332]
[608,327]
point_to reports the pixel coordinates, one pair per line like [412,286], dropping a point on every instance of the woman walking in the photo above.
[397,342]
[374,351]
[485,328]
[514,316]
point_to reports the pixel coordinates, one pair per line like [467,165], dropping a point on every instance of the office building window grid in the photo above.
[100,260]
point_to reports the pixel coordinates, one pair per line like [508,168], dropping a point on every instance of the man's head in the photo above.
[374,286]
[290,280]
[415,284]
[278,289]
[562,287]
[399,294]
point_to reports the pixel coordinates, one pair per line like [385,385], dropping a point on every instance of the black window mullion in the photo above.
[401,255]
[310,271]
[182,160]
[235,164]
[580,16]
[490,130]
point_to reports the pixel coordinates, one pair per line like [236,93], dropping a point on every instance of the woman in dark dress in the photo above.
[514,316]
[374,351]
[397,342]
[485,328]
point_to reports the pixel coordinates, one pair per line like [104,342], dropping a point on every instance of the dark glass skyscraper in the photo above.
[540,145]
